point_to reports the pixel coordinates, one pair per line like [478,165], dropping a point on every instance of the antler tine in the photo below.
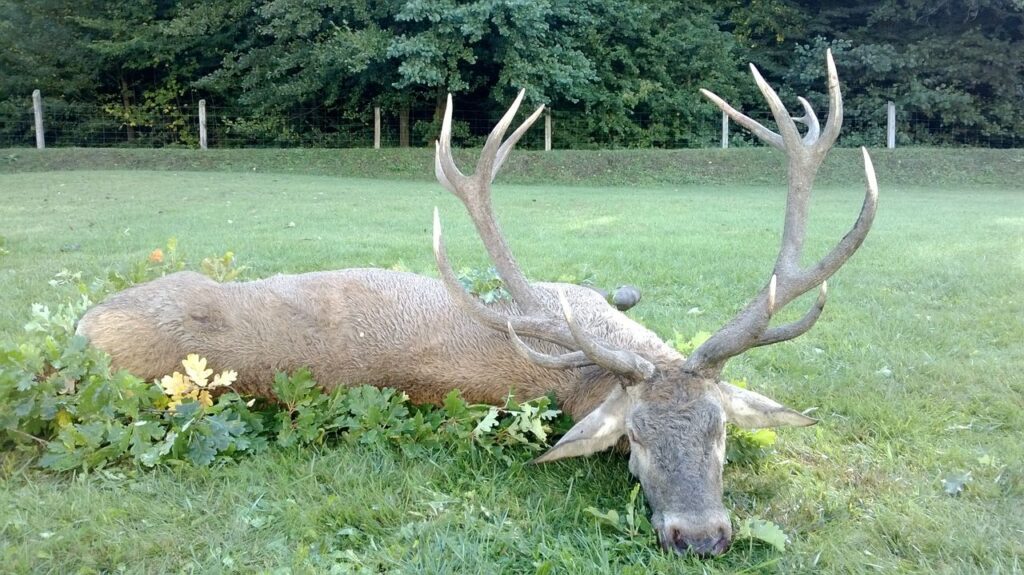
[442,169]
[750,328]
[835,105]
[767,136]
[506,148]
[568,335]
[563,361]
[787,128]
[809,119]
[855,237]
[486,163]
[448,174]
[484,314]
[539,328]
[622,362]
[799,327]
[439,170]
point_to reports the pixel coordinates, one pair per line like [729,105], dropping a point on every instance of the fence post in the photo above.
[376,127]
[890,132]
[547,131]
[37,109]
[725,130]
[202,125]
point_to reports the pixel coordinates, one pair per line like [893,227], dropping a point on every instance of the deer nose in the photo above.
[703,544]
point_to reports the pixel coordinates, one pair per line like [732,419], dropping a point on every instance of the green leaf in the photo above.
[201,449]
[454,405]
[61,457]
[144,434]
[485,284]
[610,517]
[761,530]
[295,389]
[154,454]
[686,345]
[488,423]
[748,447]
[285,432]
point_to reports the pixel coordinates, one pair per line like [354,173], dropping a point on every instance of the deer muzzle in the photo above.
[703,540]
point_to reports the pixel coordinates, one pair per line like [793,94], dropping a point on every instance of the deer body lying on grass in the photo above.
[427,337]
[356,326]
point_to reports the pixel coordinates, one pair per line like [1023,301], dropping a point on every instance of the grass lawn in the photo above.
[915,370]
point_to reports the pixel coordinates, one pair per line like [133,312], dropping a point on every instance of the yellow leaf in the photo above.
[224,379]
[175,384]
[204,398]
[195,367]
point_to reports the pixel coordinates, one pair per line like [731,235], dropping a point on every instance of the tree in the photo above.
[614,72]
[953,66]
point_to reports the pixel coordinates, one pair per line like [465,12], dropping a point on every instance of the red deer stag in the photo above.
[427,337]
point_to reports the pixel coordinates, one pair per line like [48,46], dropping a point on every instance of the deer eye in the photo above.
[632,436]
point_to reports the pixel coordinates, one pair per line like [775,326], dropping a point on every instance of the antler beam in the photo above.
[789,280]
[536,319]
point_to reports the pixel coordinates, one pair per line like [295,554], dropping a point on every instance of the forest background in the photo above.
[614,73]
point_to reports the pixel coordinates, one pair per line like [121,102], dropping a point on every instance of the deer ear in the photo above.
[744,408]
[598,431]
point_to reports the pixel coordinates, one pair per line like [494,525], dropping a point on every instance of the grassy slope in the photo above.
[915,370]
[909,166]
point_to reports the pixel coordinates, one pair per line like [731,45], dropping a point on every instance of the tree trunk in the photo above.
[126,101]
[403,126]
[439,106]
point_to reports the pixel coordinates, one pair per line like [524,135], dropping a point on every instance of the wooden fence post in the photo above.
[725,130]
[376,127]
[890,132]
[547,131]
[202,125]
[37,109]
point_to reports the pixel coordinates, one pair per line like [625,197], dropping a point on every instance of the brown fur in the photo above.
[350,327]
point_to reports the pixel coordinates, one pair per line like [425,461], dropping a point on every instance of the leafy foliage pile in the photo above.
[58,392]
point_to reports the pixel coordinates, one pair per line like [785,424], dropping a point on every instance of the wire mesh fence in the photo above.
[76,125]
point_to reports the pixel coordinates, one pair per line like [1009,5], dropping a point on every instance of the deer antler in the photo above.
[804,154]
[537,320]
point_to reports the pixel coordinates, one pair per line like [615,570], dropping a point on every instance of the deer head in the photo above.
[672,409]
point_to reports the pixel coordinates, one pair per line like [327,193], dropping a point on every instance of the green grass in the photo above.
[926,167]
[915,371]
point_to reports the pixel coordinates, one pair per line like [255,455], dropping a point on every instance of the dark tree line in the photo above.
[625,71]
